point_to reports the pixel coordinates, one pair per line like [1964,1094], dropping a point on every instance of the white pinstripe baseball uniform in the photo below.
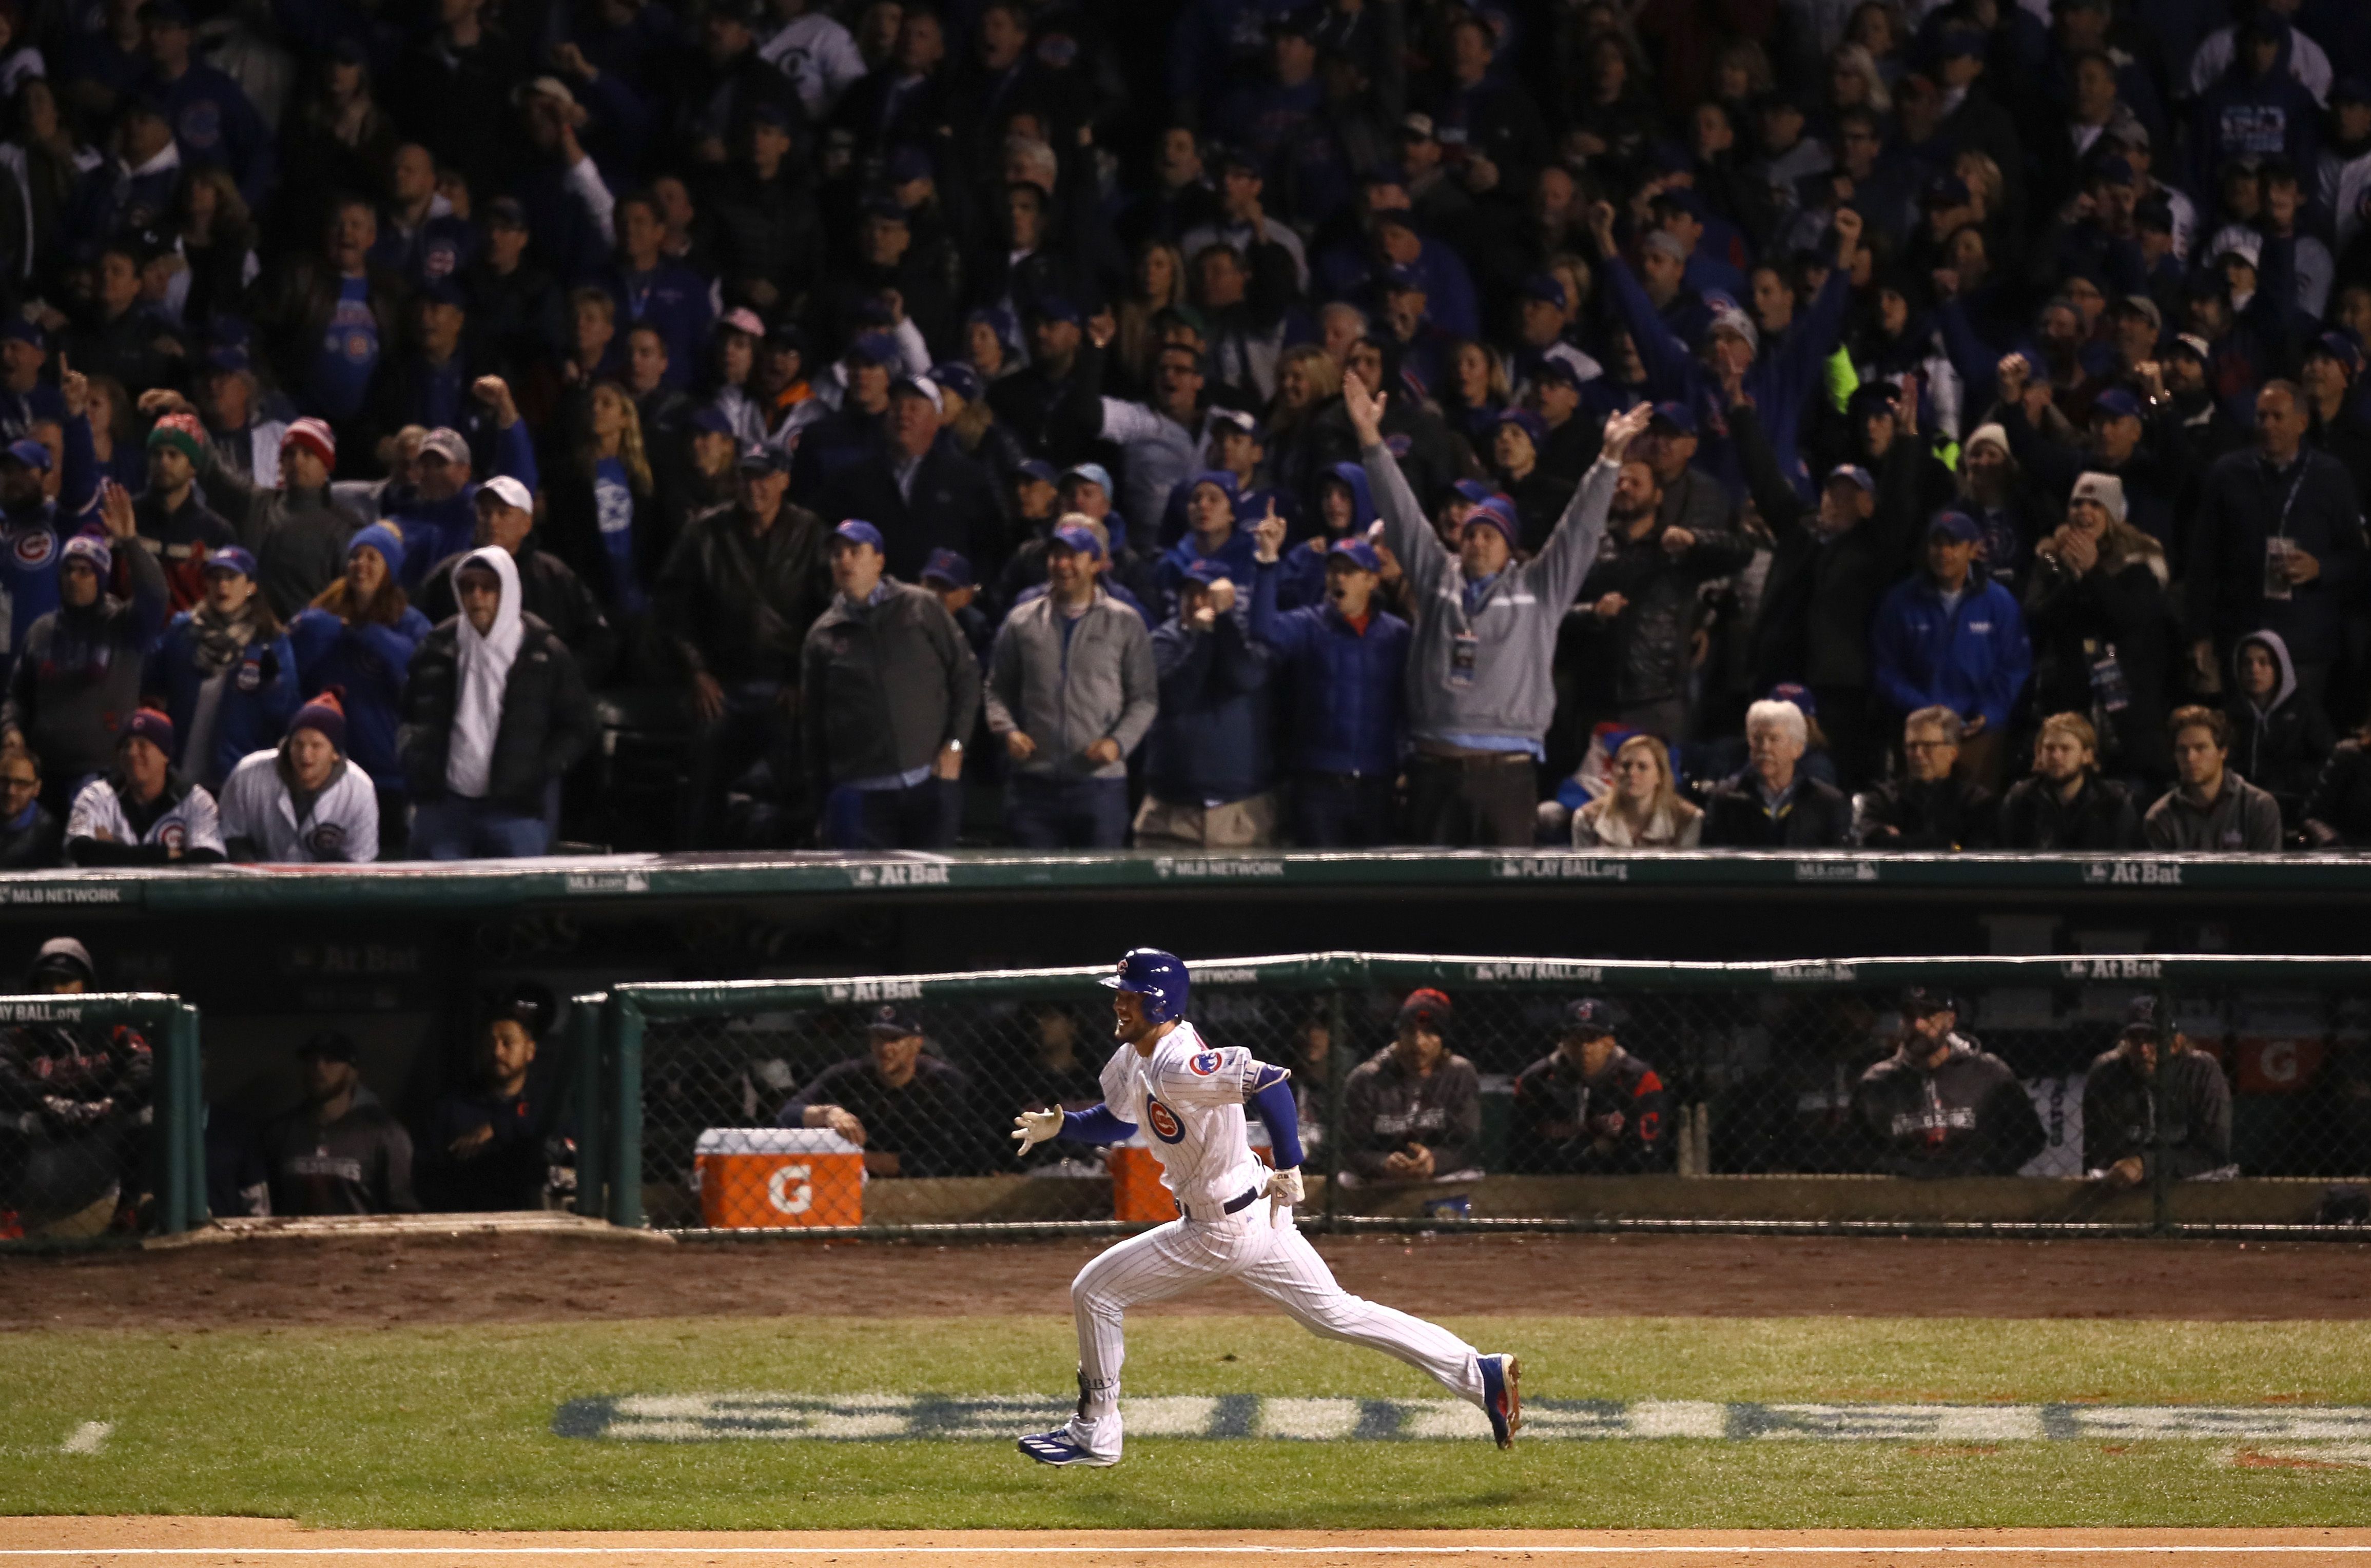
[1188,1100]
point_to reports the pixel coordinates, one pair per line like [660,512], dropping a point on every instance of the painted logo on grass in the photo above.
[783,1417]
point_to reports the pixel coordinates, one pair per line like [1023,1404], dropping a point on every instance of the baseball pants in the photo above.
[1275,1260]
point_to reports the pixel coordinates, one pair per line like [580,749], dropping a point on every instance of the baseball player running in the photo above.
[1190,1097]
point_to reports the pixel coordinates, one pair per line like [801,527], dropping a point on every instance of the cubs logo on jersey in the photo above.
[1163,1122]
[1203,1063]
[327,841]
[33,548]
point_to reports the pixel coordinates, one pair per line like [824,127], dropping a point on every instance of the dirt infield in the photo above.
[219,1543]
[536,1278]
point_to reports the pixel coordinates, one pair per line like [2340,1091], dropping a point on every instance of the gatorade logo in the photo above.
[788,1198]
[1163,1122]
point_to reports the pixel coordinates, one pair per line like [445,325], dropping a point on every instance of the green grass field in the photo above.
[450,1427]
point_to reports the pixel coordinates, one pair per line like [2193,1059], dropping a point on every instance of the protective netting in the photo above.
[1999,1092]
[99,1124]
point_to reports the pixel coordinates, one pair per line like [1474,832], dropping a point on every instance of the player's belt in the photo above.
[1236,1205]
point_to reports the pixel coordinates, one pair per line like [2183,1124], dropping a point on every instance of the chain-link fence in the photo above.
[101,1118]
[2078,1094]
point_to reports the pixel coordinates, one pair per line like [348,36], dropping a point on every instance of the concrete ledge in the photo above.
[537,1222]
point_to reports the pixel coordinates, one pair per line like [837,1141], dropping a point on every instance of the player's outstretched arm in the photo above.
[1100,1125]
[1271,1101]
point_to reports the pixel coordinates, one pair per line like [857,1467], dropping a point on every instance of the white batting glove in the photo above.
[1033,1127]
[1284,1188]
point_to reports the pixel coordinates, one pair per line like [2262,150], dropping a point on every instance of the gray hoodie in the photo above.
[1507,689]
[1066,697]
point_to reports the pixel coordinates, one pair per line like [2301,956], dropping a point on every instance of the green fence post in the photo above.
[623,1027]
[182,1103]
[1338,1028]
[585,1082]
[2161,1170]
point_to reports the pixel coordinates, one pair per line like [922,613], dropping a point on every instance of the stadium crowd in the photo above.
[1671,423]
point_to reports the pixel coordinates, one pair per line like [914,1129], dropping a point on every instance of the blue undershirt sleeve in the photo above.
[1273,1104]
[1100,1125]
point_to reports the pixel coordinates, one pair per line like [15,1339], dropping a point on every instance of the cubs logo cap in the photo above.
[889,1022]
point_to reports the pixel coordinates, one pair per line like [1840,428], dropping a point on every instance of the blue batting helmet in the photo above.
[1158,977]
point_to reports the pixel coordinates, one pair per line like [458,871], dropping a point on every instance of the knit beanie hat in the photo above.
[183,433]
[2105,488]
[315,436]
[324,713]
[151,725]
[387,539]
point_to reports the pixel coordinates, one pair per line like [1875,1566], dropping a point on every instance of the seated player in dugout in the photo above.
[1057,1078]
[2120,1106]
[1589,1107]
[491,1146]
[74,1103]
[340,1151]
[1413,1111]
[1942,1105]
[912,1114]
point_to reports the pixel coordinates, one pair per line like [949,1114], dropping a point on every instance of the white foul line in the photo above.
[88,1438]
[1076,1550]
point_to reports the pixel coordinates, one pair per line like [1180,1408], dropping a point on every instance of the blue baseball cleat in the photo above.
[1502,1401]
[1058,1447]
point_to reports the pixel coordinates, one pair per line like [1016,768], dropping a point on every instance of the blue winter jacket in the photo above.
[1349,688]
[1973,661]
[370,663]
[259,697]
[1211,744]
[1169,571]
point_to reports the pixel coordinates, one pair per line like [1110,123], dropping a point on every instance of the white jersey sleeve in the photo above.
[200,823]
[1213,1076]
[95,812]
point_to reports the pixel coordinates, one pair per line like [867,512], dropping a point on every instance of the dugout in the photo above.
[404,956]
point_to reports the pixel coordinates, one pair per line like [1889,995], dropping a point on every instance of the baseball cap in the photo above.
[1037,468]
[1555,368]
[445,443]
[1357,552]
[1679,416]
[1473,492]
[1945,191]
[958,378]
[874,348]
[766,112]
[2145,307]
[1093,473]
[25,331]
[1917,1001]
[762,457]
[230,558]
[710,421]
[1224,479]
[2140,1016]
[2191,343]
[906,165]
[948,566]
[1797,693]
[1854,474]
[1588,1019]
[509,491]
[1416,127]
[741,319]
[2116,403]
[1427,1008]
[1239,419]
[2234,240]
[506,211]
[1051,307]
[2348,90]
[1957,526]
[330,1045]
[2339,346]
[890,1021]
[64,955]
[29,452]
[1209,569]
[916,386]
[856,531]
[1079,540]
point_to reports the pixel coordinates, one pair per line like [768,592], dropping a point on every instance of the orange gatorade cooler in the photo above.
[1137,1196]
[760,1178]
